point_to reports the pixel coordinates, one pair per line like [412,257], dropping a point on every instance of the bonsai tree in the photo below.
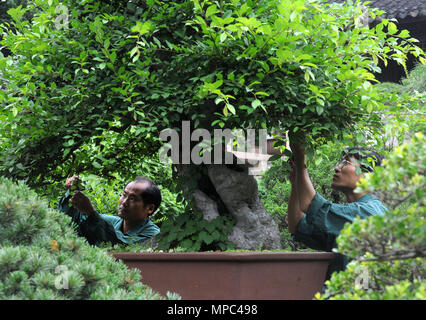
[91,85]
[41,257]
[388,251]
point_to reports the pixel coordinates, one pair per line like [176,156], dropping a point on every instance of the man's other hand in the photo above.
[69,182]
[82,203]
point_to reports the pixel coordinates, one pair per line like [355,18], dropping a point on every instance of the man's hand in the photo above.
[82,203]
[69,182]
[74,183]
[298,154]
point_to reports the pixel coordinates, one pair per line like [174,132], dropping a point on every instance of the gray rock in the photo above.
[206,205]
[255,229]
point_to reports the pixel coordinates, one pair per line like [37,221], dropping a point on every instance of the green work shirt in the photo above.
[323,221]
[98,228]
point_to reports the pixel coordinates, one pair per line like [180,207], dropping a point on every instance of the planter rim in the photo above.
[224,256]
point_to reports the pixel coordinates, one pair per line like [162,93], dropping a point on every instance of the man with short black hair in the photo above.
[317,222]
[139,200]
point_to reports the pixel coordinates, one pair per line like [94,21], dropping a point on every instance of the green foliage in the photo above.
[414,83]
[390,249]
[374,280]
[191,232]
[5,6]
[93,97]
[274,196]
[406,115]
[146,246]
[103,194]
[41,257]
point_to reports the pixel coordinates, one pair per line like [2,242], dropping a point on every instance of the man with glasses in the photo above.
[317,222]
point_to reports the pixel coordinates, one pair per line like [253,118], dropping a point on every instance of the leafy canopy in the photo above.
[93,91]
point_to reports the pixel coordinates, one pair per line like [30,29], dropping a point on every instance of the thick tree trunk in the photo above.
[228,188]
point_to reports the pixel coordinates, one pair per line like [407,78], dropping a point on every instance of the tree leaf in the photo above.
[255,103]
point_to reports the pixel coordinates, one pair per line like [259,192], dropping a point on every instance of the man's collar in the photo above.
[134,230]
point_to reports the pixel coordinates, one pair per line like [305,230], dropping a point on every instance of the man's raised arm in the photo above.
[305,189]
[294,214]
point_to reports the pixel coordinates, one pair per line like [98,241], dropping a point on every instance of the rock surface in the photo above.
[255,229]
[206,205]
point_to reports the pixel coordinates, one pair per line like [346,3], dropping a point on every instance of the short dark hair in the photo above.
[362,153]
[151,194]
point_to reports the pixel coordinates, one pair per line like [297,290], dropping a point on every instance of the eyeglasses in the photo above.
[341,164]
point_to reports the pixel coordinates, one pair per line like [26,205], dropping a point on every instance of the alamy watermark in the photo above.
[363,279]
[61,21]
[62,280]
[204,147]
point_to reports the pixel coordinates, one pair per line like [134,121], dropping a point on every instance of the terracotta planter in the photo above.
[232,275]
